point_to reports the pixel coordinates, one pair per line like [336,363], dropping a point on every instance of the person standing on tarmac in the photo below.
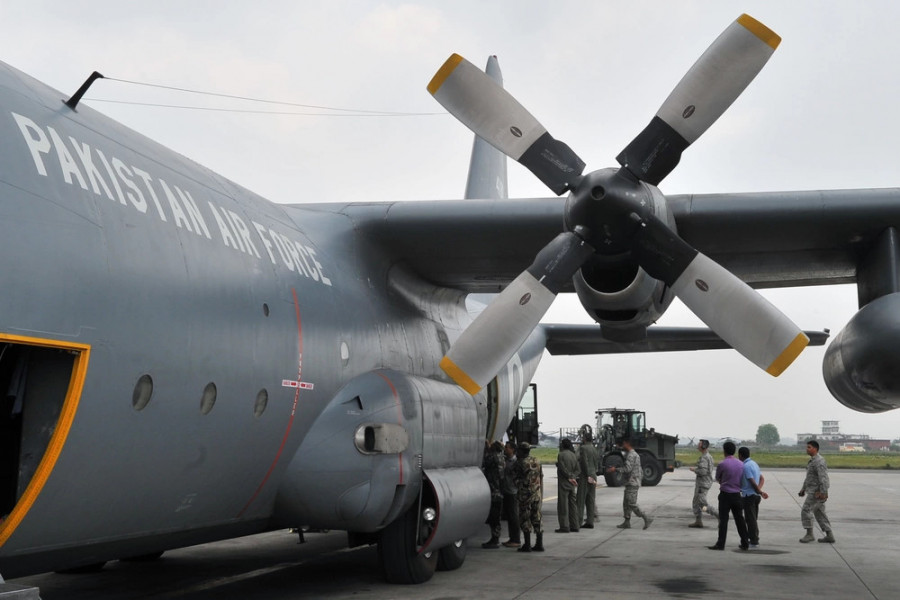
[704,471]
[529,490]
[815,488]
[510,499]
[566,474]
[588,462]
[492,466]
[751,494]
[633,474]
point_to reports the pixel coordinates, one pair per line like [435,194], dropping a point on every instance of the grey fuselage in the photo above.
[245,317]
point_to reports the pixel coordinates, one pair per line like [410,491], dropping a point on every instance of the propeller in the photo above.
[610,211]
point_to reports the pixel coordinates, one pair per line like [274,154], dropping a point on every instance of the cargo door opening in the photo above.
[40,385]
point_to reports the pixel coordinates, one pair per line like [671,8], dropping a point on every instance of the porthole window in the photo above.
[262,400]
[265,309]
[208,400]
[345,354]
[143,391]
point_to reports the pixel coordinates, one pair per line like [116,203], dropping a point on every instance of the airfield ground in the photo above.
[669,560]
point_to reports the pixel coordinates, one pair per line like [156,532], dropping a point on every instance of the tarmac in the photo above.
[668,560]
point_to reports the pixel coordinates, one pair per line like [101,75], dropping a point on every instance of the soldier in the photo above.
[704,472]
[492,466]
[633,474]
[530,489]
[815,488]
[566,474]
[510,500]
[588,461]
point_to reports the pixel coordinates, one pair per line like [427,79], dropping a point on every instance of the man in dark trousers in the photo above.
[728,474]
[510,500]
[492,466]
[751,494]
[567,481]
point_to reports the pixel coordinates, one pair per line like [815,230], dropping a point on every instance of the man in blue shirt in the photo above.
[728,474]
[751,494]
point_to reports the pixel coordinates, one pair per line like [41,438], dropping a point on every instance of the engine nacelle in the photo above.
[620,295]
[862,364]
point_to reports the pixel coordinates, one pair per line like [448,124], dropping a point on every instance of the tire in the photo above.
[616,479]
[652,470]
[397,552]
[452,557]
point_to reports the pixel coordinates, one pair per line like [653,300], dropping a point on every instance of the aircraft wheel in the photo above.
[614,479]
[452,557]
[652,471]
[397,552]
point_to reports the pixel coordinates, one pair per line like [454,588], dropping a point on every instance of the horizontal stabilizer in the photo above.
[588,339]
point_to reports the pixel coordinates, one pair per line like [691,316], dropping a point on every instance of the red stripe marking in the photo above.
[399,419]
[290,424]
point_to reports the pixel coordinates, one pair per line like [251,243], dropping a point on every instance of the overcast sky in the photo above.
[821,115]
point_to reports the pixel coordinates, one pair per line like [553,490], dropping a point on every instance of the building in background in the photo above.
[831,438]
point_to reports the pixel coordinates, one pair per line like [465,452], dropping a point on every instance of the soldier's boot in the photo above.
[647,520]
[828,539]
[808,537]
[526,547]
[698,524]
[626,524]
[539,543]
[492,543]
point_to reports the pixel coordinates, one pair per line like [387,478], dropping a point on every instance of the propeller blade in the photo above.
[706,91]
[735,311]
[492,338]
[483,106]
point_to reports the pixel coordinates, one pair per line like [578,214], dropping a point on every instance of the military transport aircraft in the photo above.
[184,361]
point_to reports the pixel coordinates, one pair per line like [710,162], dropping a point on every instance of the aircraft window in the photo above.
[143,390]
[208,400]
[262,399]
[345,353]
[265,309]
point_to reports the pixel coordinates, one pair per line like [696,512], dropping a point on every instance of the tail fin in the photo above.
[487,167]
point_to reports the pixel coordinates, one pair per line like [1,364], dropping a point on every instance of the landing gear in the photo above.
[452,557]
[397,549]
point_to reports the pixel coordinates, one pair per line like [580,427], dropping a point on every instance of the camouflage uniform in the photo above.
[705,470]
[492,466]
[816,482]
[588,461]
[530,483]
[634,472]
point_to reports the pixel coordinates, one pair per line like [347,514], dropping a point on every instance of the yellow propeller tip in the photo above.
[443,73]
[759,30]
[459,376]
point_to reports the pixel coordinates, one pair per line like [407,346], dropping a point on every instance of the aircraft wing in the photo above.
[587,339]
[772,239]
